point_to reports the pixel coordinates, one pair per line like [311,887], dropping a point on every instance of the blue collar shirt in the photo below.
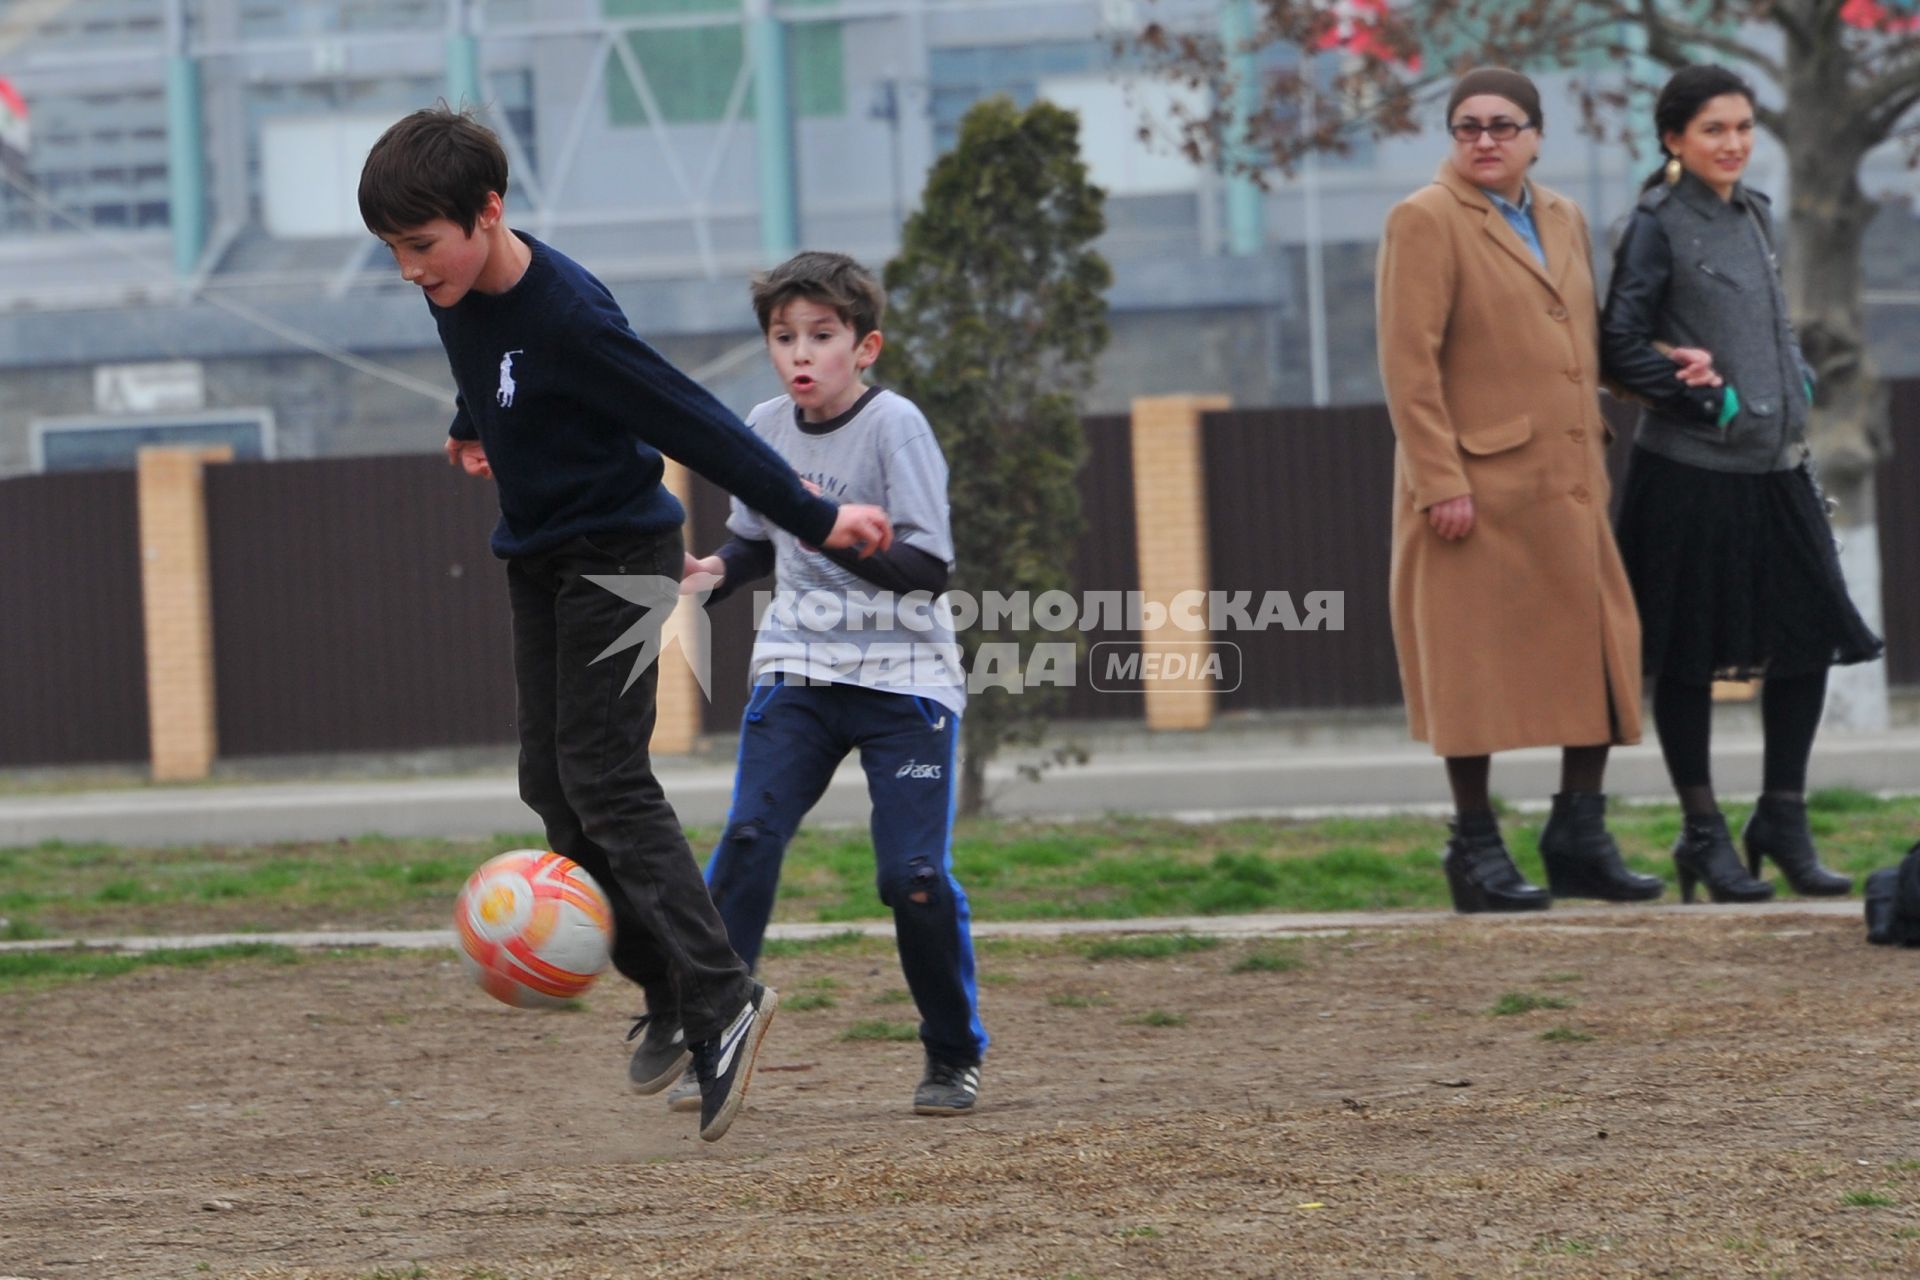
[1520,218]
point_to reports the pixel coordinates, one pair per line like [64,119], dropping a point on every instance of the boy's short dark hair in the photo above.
[435,163]
[831,279]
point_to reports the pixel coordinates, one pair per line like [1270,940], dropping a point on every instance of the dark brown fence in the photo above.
[356,607]
[1897,497]
[1106,559]
[1297,501]
[73,682]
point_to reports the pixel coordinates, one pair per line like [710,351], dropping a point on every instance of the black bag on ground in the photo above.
[1893,903]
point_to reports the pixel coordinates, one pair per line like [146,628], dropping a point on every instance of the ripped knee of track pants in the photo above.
[738,844]
[919,885]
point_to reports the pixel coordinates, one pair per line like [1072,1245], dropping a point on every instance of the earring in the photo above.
[1674,170]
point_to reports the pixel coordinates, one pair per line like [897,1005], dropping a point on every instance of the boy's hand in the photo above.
[469,457]
[861,528]
[699,574]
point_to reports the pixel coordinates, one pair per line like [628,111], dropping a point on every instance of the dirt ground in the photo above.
[1746,1105]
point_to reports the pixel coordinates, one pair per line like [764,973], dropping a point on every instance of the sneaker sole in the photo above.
[665,1078]
[728,1110]
[921,1109]
[689,1103]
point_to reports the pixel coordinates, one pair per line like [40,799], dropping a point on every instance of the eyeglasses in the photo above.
[1498,130]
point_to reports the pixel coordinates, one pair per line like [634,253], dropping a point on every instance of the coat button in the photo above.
[1577,434]
[1579,493]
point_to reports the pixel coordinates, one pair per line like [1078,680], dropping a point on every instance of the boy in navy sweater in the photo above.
[569,412]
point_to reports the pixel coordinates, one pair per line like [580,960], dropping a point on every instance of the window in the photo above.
[83,444]
[966,74]
[691,70]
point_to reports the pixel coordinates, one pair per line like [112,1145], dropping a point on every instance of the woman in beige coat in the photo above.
[1512,616]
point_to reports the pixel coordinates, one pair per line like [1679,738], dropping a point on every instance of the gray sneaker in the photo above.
[660,1056]
[685,1096]
[947,1089]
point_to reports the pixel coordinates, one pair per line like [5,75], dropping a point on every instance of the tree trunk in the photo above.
[1827,222]
[973,770]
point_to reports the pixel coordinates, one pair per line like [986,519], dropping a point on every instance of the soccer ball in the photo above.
[534,928]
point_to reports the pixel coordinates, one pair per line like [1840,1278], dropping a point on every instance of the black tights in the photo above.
[1581,769]
[1790,709]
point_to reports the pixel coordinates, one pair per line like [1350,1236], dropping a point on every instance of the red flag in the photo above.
[1357,28]
[1871,15]
[14,133]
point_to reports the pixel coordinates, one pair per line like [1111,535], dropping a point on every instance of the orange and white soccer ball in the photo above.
[534,928]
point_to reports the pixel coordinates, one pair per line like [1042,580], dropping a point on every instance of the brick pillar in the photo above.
[680,700]
[1170,513]
[177,604]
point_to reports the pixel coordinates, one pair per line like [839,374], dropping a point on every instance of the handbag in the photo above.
[1893,903]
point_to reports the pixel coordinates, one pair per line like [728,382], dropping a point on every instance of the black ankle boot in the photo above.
[1778,830]
[1581,858]
[1705,852]
[1480,872]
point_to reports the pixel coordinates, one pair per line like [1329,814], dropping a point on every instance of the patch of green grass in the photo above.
[1513,1002]
[1113,868]
[802,1001]
[1149,946]
[880,1029]
[1073,1000]
[37,970]
[1561,977]
[1866,1200]
[1569,1246]
[1272,957]
[1842,800]
[1159,1018]
[1141,1232]
[1565,1035]
[845,940]
[893,995]
[19,930]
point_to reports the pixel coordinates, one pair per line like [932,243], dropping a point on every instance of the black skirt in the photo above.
[1736,575]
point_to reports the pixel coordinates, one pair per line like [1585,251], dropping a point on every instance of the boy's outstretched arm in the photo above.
[630,382]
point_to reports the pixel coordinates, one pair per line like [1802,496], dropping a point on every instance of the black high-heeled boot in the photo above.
[1480,872]
[1778,830]
[1581,858]
[1705,852]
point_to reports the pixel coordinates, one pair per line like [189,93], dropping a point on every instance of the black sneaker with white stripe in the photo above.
[947,1088]
[661,1055]
[725,1062]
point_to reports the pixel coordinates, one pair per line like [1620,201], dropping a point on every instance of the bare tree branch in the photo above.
[1666,41]
[1888,97]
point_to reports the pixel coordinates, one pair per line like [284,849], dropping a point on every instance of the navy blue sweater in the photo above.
[575,411]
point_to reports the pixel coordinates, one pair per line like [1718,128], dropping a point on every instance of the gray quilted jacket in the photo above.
[1693,270]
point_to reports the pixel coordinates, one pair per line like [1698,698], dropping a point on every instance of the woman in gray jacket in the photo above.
[1721,527]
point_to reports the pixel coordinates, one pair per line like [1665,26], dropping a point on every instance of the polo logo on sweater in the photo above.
[507,385]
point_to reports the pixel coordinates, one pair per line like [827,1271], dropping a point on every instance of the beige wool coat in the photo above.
[1523,633]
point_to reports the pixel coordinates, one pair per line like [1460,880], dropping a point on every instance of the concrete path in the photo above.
[1272,925]
[1206,776]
